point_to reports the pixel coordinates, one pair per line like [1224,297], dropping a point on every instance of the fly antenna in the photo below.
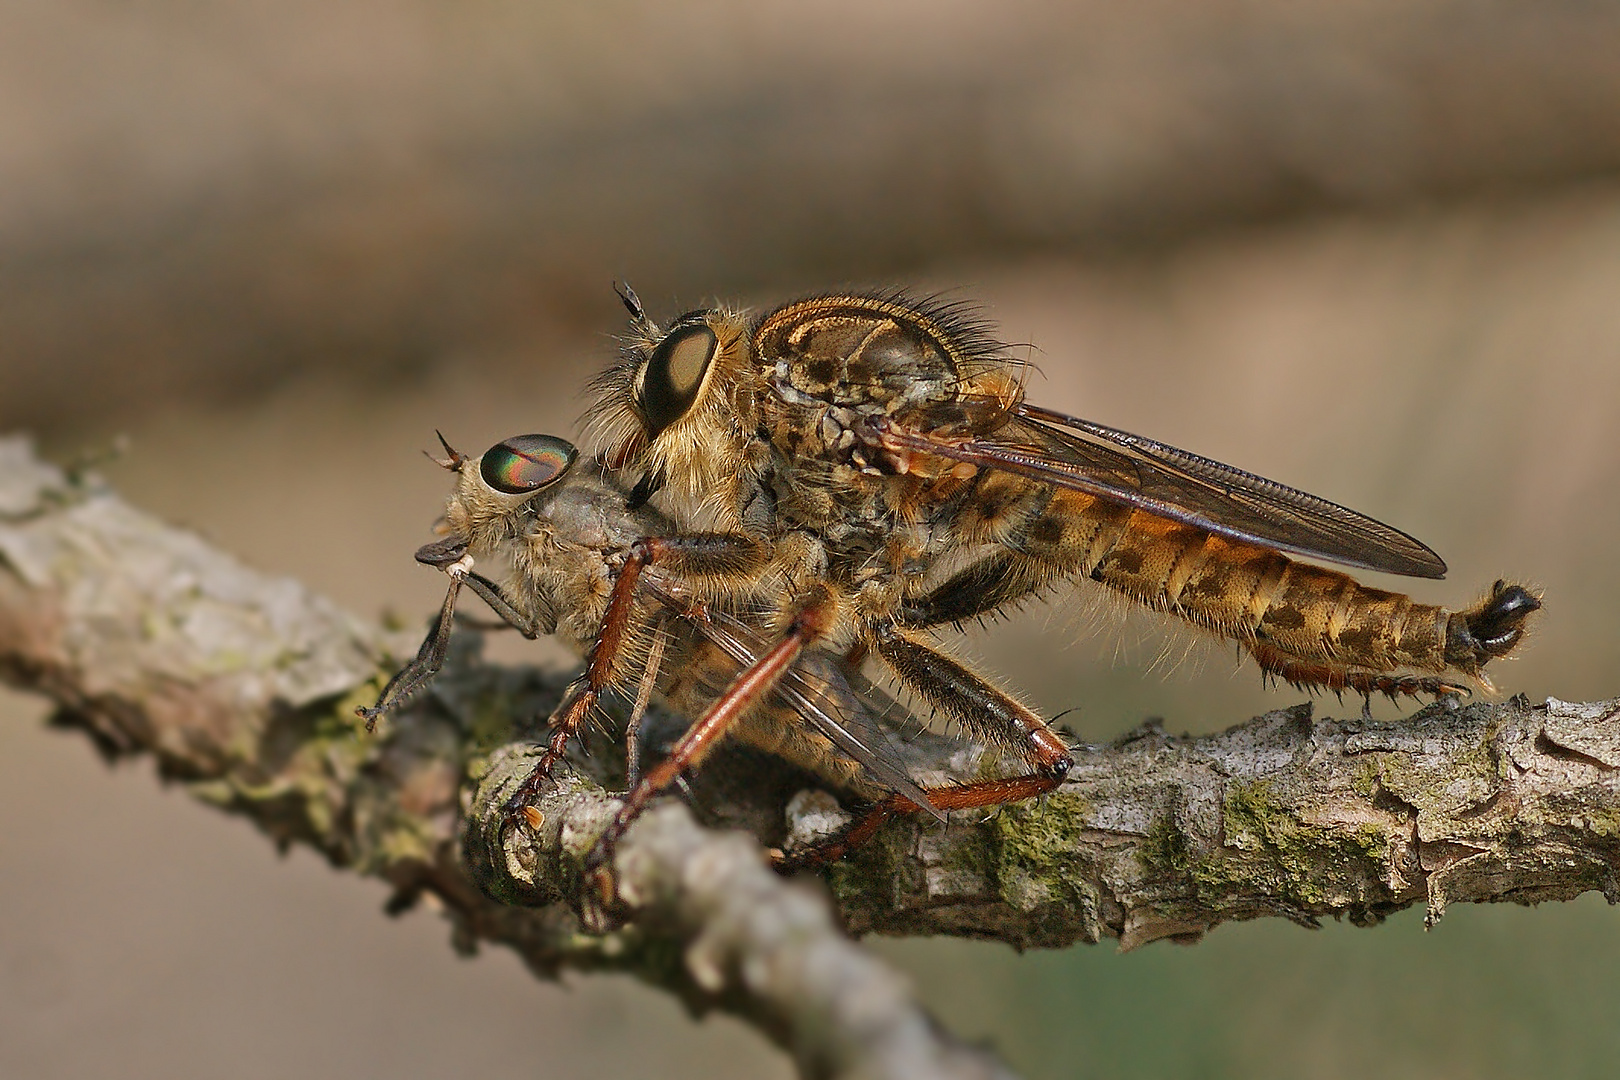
[454,461]
[632,304]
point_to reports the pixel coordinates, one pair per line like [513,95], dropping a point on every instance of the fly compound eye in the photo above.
[673,375]
[526,463]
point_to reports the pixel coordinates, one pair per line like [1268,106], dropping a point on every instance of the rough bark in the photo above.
[243,687]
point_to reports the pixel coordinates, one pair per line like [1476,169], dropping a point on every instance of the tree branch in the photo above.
[243,687]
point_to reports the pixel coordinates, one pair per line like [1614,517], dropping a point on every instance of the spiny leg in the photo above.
[823,689]
[749,688]
[990,713]
[1277,664]
[984,587]
[700,554]
[975,795]
[963,695]
[644,692]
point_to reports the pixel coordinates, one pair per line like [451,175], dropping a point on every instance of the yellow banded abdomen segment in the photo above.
[1144,560]
[1324,616]
[1248,592]
[1067,530]
[1226,585]
[1238,590]
[1301,615]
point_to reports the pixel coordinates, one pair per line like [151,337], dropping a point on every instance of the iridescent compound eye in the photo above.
[526,463]
[673,375]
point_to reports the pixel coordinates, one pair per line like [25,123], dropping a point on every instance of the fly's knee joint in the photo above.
[641,552]
[816,617]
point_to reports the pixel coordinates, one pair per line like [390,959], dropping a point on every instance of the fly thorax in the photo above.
[803,426]
[812,506]
[861,359]
[832,425]
[879,596]
[800,560]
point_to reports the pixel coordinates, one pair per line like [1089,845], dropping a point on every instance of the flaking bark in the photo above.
[243,687]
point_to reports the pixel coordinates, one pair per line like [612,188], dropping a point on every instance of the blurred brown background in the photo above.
[1368,248]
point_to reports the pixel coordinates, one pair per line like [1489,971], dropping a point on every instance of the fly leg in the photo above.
[988,712]
[695,555]
[979,588]
[751,686]
[644,693]
[451,557]
[981,793]
[950,686]
[982,588]
[1277,664]
[426,664]
[992,715]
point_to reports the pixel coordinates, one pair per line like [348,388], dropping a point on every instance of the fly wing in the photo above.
[818,690]
[1167,482]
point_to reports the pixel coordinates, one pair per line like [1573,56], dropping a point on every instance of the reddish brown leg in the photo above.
[1312,676]
[956,690]
[975,795]
[697,554]
[756,681]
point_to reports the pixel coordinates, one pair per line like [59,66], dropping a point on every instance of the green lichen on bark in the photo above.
[1166,851]
[1035,861]
[1273,850]
[884,870]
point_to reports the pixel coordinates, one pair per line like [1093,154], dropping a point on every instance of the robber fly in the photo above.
[654,609]
[882,450]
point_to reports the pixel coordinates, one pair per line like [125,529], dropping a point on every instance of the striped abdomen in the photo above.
[1303,623]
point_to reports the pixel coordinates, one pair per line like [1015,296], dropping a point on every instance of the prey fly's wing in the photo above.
[817,688]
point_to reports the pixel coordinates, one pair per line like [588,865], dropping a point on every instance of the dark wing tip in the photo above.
[1430,566]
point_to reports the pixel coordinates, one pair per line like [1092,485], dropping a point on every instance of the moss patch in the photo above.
[1270,852]
[1601,822]
[1164,852]
[1033,856]
[879,870]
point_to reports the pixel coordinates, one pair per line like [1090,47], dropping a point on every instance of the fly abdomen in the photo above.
[1491,628]
[1067,530]
[1307,624]
[1321,616]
